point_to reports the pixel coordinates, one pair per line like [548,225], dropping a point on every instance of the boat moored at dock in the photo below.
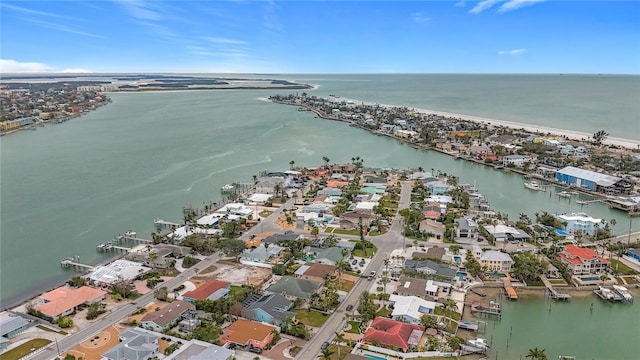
[534,185]
[624,292]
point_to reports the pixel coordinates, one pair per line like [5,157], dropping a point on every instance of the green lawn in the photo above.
[354,232]
[622,268]
[265,213]
[452,314]
[344,350]
[311,318]
[346,285]
[24,349]
[384,312]
[235,290]
[354,327]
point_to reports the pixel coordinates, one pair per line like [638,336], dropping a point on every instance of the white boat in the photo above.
[564,194]
[227,188]
[607,293]
[479,343]
[582,202]
[533,185]
[131,233]
[624,292]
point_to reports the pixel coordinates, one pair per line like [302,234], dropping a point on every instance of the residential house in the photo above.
[292,287]
[466,228]
[437,187]
[430,268]
[118,270]
[331,255]
[421,288]
[516,160]
[580,222]
[210,290]
[269,185]
[503,233]
[353,220]
[269,309]
[393,333]
[316,272]
[135,344]
[496,261]
[333,192]
[261,254]
[210,352]
[430,226]
[11,326]
[343,169]
[65,300]
[583,261]
[168,316]
[272,239]
[410,308]
[248,333]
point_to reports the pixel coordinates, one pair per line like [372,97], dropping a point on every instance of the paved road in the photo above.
[387,242]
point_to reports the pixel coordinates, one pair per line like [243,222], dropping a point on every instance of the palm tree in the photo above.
[291,163]
[536,354]
[339,339]
[326,354]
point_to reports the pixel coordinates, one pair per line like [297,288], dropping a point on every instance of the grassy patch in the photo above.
[25,349]
[617,265]
[346,284]
[450,314]
[384,312]
[367,253]
[234,291]
[311,318]
[354,232]
[46,328]
[265,213]
[354,327]
[344,350]
[329,229]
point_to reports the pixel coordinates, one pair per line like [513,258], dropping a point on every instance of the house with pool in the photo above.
[583,261]
[580,223]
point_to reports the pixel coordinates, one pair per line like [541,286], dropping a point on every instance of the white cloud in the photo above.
[516,4]
[11,66]
[420,17]
[511,52]
[460,4]
[76,71]
[220,40]
[141,9]
[483,5]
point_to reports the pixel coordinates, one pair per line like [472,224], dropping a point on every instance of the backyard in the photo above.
[24,349]
[311,318]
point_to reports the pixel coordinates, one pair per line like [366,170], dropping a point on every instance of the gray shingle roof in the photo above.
[291,286]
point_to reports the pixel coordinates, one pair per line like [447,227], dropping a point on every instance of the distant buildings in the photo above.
[593,181]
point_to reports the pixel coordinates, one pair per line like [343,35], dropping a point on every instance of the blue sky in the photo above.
[490,36]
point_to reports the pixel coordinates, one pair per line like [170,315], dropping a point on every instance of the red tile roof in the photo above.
[63,299]
[203,291]
[391,332]
[580,253]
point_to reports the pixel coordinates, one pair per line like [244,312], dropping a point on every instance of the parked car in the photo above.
[354,262]
[349,307]
[324,345]
[255,350]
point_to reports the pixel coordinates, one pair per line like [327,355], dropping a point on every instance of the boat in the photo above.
[624,292]
[606,293]
[534,185]
[227,188]
[582,202]
[478,292]
[130,233]
[564,194]
[479,343]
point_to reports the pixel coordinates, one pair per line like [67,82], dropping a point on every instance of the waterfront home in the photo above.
[496,261]
[546,171]
[516,160]
[580,222]
[437,187]
[11,325]
[200,350]
[466,228]
[248,333]
[168,316]
[210,290]
[269,185]
[261,254]
[118,270]
[583,261]
[292,287]
[348,169]
[135,344]
[316,272]
[270,309]
[504,140]
[235,211]
[410,308]
[422,288]
[504,233]
[593,181]
[393,333]
[65,300]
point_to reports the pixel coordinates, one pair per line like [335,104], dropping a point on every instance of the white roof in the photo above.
[598,178]
[209,219]
[119,269]
[410,306]
[258,198]
[439,198]
[431,286]
[579,217]
[493,255]
[366,205]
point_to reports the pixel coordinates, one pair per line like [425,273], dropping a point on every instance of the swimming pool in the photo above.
[589,278]
[497,275]
[457,259]
[461,275]
[374,357]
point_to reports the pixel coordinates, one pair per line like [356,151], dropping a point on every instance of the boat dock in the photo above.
[492,308]
[608,294]
[473,325]
[73,263]
[110,247]
[553,293]
[138,240]
[509,290]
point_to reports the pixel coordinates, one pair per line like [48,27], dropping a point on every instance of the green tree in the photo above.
[338,340]
[599,137]
[454,342]
[528,266]
[326,354]
[536,354]
[428,321]
[472,265]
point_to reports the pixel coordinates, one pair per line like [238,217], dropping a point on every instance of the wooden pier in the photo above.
[473,325]
[553,293]
[110,247]
[72,263]
[608,294]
